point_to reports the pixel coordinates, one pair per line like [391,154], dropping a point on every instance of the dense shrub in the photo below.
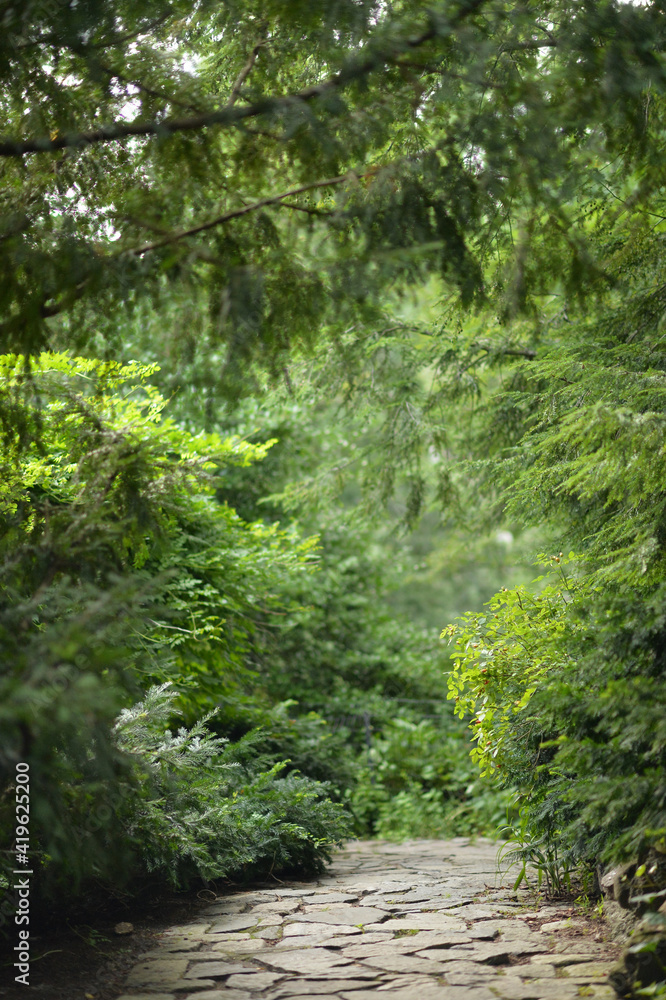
[419,781]
[119,569]
[208,810]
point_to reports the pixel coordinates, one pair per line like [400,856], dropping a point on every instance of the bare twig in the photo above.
[244,73]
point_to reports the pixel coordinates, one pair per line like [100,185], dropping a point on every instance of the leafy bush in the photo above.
[202,814]
[502,657]
[566,691]
[419,781]
[119,569]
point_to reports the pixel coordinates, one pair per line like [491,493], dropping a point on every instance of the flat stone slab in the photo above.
[317,987]
[564,958]
[331,897]
[304,961]
[219,994]
[238,948]
[433,992]
[593,972]
[172,946]
[424,920]
[234,922]
[302,928]
[404,963]
[253,981]
[468,973]
[158,972]
[512,988]
[407,945]
[354,915]
[345,940]
[147,996]
[282,907]
[213,970]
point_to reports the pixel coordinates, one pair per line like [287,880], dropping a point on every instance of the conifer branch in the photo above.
[53,308]
[515,352]
[533,45]
[512,352]
[83,49]
[131,35]
[321,213]
[244,73]
[236,213]
[228,116]
[49,307]
[144,88]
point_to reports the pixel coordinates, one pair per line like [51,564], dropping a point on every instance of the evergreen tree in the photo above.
[282,163]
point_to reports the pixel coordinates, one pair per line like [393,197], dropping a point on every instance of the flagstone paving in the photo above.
[423,920]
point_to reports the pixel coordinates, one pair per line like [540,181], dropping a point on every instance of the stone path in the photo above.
[424,920]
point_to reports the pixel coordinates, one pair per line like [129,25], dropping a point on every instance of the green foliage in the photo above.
[280,165]
[502,657]
[418,781]
[249,192]
[348,671]
[307,742]
[342,650]
[202,814]
[119,568]
[536,858]
[572,716]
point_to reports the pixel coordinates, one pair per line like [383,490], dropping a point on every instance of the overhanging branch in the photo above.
[244,73]
[227,116]
[245,210]
[52,307]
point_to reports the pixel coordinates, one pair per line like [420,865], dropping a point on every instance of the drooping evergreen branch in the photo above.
[245,210]
[83,48]
[129,36]
[50,308]
[321,213]
[227,116]
[115,74]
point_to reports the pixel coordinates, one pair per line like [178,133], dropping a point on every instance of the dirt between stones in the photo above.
[422,920]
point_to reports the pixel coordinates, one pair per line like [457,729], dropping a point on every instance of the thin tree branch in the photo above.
[444,71]
[550,43]
[53,308]
[245,210]
[354,70]
[49,307]
[320,212]
[131,35]
[53,39]
[150,91]
[244,73]
[517,353]
[514,352]
[73,294]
